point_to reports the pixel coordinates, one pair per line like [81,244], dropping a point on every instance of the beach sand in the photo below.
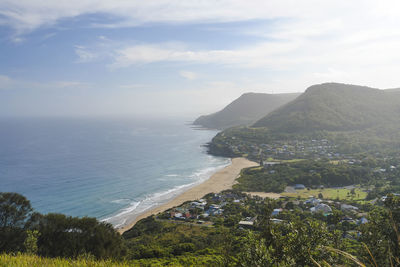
[221,180]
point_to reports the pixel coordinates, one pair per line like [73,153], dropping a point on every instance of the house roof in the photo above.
[248,223]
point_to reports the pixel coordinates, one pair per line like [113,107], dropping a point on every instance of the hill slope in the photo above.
[336,107]
[245,110]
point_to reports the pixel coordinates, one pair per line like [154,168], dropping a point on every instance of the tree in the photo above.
[255,252]
[15,211]
[62,236]
[382,233]
[353,192]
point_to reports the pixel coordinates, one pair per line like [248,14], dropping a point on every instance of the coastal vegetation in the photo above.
[54,235]
[311,173]
[235,229]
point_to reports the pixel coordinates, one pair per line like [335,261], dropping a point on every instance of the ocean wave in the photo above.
[172,175]
[121,201]
[128,214]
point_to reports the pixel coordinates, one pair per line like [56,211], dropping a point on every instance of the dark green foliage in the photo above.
[245,110]
[382,234]
[54,235]
[15,211]
[62,236]
[150,238]
[145,226]
[291,243]
[335,107]
[305,172]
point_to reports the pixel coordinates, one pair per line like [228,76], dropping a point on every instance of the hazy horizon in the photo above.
[168,58]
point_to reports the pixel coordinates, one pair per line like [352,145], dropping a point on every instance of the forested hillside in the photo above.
[245,110]
[336,107]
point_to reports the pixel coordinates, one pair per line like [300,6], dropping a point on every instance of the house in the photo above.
[299,186]
[362,220]
[205,215]
[246,224]
[178,215]
[214,207]
[276,221]
[199,205]
[276,212]
[347,219]
[215,210]
[323,208]
[313,201]
[346,207]
[216,197]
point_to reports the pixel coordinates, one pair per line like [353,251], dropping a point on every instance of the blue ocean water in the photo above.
[112,169]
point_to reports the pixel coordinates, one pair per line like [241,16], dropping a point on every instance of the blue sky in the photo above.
[167,57]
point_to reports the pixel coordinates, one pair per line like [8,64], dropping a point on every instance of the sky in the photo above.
[186,58]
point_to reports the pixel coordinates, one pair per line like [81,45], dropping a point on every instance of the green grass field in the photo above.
[329,193]
[284,160]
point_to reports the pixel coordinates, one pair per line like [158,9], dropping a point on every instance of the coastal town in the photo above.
[231,208]
[280,149]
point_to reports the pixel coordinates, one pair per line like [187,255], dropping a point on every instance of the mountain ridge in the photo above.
[335,107]
[245,110]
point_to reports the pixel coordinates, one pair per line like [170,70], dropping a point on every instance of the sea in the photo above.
[109,168]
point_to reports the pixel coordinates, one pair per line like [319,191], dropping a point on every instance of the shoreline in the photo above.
[219,181]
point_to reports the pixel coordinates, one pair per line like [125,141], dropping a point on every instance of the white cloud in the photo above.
[188,75]
[311,36]
[27,15]
[253,56]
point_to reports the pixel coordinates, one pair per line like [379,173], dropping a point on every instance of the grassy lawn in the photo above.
[329,193]
[283,160]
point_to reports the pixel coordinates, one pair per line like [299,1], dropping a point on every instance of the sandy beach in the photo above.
[221,180]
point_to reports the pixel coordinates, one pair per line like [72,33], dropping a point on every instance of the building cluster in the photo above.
[284,149]
[203,210]
[350,214]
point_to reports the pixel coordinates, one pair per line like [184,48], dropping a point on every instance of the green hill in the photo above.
[245,110]
[336,107]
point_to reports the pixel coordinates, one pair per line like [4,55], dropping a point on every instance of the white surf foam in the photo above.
[130,213]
